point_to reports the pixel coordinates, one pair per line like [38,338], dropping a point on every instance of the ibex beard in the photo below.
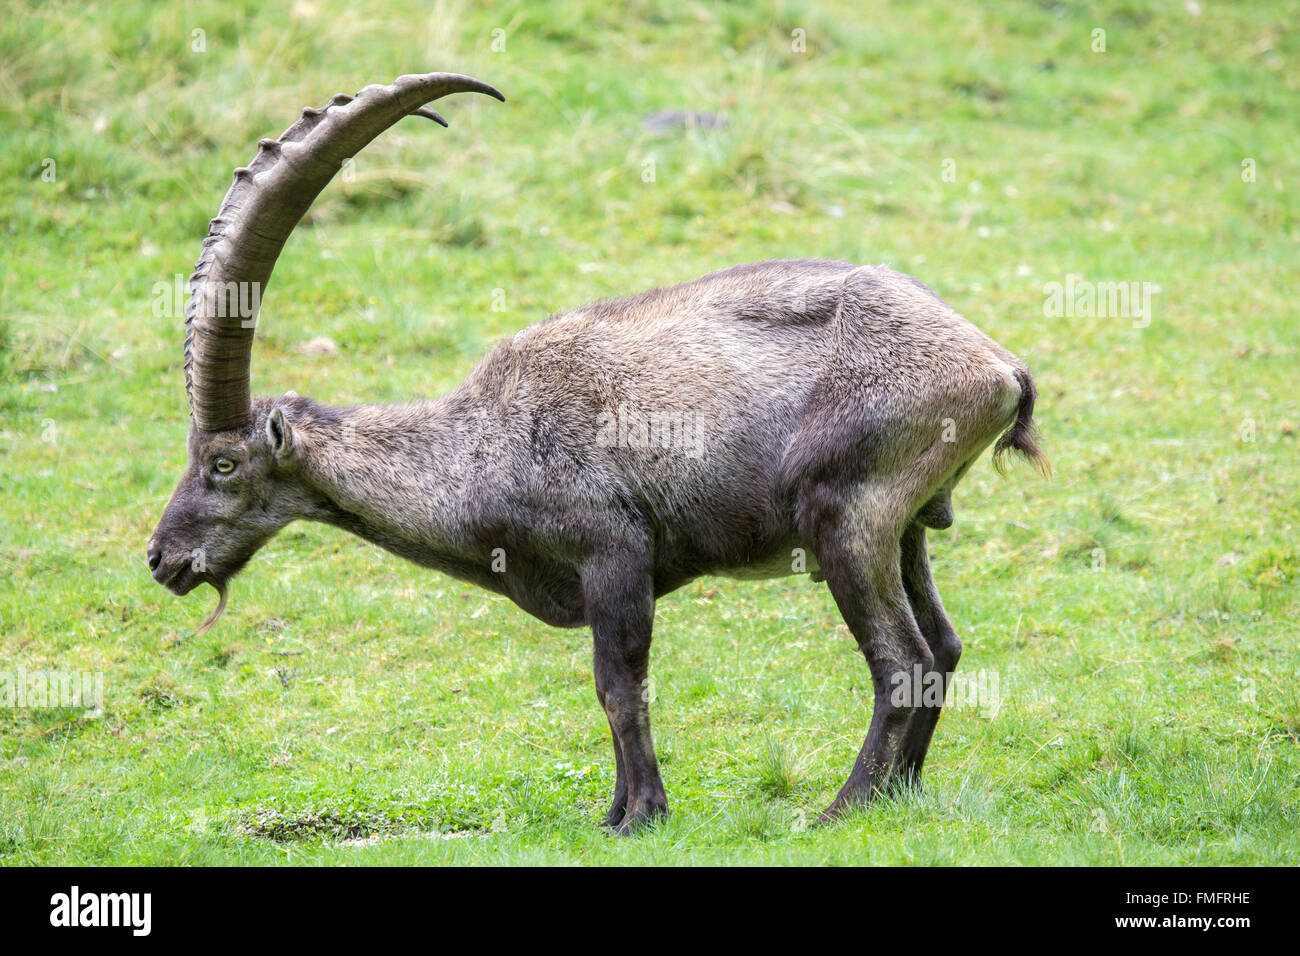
[833,407]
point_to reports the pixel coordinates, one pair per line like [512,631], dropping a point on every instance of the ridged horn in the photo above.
[266,200]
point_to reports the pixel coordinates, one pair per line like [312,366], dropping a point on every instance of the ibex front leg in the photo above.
[619,596]
[619,806]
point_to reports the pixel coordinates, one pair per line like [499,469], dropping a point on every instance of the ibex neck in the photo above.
[396,475]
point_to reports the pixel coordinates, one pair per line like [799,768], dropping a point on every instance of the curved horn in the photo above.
[265,202]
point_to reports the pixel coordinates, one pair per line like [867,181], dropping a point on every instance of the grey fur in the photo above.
[797,416]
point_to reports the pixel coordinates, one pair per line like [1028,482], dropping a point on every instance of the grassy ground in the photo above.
[1137,614]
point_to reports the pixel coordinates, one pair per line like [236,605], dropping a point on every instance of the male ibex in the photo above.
[833,408]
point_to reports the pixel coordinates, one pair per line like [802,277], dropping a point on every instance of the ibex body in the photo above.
[783,417]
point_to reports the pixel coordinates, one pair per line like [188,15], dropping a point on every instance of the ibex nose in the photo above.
[155,556]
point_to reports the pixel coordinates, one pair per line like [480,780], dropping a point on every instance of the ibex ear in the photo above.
[280,434]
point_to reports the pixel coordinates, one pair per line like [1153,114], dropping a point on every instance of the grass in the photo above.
[1133,620]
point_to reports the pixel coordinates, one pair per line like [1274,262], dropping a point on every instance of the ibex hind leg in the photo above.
[927,608]
[939,634]
[854,532]
[940,637]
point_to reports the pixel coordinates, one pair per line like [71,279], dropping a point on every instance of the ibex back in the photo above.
[801,416]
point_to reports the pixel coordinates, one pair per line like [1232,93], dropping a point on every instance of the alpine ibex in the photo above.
[727,426]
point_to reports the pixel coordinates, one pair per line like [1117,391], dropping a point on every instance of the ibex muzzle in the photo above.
[790,417]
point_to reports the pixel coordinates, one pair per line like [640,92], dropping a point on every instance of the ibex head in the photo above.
[241,485]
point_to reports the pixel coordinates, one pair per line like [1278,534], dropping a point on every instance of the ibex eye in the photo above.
[225,466]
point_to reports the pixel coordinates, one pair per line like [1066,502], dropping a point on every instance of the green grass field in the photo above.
[1136,616]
